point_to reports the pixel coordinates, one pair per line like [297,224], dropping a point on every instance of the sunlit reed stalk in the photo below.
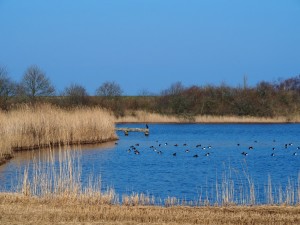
[59,176]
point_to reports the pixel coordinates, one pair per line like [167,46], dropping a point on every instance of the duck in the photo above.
[136,152]
[273,154]
[176,145]
[244,153]
[207,154]
[187,150]
[195,156]
[174,154]
[295,153]
[250,148]
[199,145]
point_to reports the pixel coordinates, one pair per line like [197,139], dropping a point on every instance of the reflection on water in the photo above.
[158,171]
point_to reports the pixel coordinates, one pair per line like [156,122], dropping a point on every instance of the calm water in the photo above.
[156,171]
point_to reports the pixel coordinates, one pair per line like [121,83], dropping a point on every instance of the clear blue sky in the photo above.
[150,44]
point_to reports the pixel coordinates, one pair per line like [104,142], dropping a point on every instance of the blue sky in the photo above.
[150,44]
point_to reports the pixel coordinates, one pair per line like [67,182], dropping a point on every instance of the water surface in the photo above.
[156,171]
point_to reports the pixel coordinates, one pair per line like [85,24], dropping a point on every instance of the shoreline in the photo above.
[148,117]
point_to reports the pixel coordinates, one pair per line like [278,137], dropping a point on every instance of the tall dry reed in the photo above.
[45,125]
[58,175]
[149,117]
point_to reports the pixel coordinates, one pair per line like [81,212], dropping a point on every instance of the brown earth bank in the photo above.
[18,209]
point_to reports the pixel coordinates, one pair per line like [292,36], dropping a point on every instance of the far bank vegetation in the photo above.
[277,101]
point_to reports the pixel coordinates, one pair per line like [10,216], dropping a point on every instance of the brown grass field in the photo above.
[18,209]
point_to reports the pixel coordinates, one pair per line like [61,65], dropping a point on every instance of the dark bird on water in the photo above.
[195,156]
[147,127]
[272,154]
[174,154]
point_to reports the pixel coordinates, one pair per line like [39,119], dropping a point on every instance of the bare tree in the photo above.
[7,87]
[109,89]
[35,83]
[76,94]
[175,89]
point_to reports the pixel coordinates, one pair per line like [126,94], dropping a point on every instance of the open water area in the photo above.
[187,161]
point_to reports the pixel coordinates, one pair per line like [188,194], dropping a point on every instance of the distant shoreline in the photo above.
[145,117]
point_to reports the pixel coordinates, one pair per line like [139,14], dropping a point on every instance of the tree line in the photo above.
[266,99]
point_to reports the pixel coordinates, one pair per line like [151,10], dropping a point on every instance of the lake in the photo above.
[171,162]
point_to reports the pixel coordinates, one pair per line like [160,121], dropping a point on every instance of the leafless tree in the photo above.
[7,87]
[175,89]
[109,89]
[76,94]
[35,83]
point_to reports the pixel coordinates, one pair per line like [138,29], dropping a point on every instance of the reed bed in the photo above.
[58,175]
[149,117]
[45,125]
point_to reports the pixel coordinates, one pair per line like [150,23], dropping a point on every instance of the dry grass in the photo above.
[146,117]
[45,125]
[17,209]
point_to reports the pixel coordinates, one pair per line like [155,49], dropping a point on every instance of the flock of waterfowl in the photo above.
[159,148]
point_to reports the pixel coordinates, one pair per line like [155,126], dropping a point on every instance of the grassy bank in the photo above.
[16,209]
[45,125]
[147,117]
